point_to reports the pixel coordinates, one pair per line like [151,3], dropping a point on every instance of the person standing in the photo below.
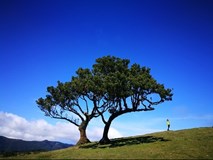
[168,124]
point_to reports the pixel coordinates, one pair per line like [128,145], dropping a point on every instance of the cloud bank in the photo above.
[14,126]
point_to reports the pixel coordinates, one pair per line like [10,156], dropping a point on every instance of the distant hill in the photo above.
[17,145]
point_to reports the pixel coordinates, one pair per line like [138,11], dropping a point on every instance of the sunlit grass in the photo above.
[184,144]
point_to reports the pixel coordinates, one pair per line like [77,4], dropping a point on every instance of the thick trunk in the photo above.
[83,136]
[105,139]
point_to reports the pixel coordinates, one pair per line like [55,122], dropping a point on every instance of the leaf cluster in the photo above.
[108,85]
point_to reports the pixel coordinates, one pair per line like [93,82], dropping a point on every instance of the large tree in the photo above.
[111,85]
[127,89]
[70,101]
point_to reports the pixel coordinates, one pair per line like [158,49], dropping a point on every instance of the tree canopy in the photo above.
[127,89]
[70,101]
[111,85]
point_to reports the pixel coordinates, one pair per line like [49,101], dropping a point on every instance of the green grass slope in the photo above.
[196,143]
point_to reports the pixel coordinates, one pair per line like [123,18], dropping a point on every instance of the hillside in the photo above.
[17,145]
[183,144]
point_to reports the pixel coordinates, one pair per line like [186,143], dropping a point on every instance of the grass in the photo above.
[194,143]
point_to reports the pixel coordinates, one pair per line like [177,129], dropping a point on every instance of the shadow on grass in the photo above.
[118,142]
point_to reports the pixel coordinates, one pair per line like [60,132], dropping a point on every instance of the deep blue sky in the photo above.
[42,41]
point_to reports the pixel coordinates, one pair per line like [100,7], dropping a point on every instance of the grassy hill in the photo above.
[183,144]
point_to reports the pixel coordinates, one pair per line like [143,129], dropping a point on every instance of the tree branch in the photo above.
[154,103]
[104,107]
[79,107]
[76,113]
[102,116]
[87,107]
[125,104]
[65,118]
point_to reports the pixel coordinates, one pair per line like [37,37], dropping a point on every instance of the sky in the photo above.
[43,41]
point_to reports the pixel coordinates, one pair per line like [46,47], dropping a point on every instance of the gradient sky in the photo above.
[43,41]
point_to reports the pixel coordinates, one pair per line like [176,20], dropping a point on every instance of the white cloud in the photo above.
[95,133]
[136,128]
[14,126]
[113,133]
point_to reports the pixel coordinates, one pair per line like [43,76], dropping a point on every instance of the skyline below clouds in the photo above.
[14,126]
[43,41]
[17,127]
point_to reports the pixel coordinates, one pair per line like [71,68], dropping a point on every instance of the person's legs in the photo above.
[168,127]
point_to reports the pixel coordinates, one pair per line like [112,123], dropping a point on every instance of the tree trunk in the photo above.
[105,139]
[83,136]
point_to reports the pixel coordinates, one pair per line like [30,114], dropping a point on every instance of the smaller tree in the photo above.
[70,101]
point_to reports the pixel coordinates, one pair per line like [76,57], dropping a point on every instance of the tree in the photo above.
[124,84]
[70,101]
[111,85]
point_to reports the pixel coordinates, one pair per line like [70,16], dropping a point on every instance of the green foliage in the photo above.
[122,82]
[108,85]
[110,81]
[113,72]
